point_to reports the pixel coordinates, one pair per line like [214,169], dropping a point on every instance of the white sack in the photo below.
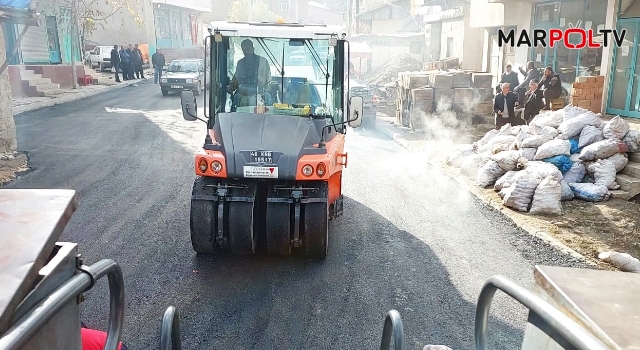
[571,112]
[504,181]
[520,194]
[542,130]
[576,173]
[508,160]
[590,134]
[498,143]
[489,173]
[575,158]
[567,193]
[521,136]
[487,137]
[573,127]
[603,149]
[623,261]
[547,198]
[552,119]
[472,163]
[541,170]
[591,192]
[518,129]
[528,153]
[619,160]
[604,172]
[632,140]
[505,130]
[616,128]
[535,141]
[553,148]
[455,160]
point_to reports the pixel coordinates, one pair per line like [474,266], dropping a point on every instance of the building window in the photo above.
[163,26]
[449,47]
[186,27]
[569,63]
[284,5]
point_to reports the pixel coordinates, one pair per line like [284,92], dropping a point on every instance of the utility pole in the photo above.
[356,16]
[74,74]
[349,18]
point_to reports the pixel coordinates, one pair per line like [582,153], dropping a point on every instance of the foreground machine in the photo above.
[42,283]
[270,171]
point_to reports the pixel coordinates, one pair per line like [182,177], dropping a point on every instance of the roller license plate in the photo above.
[176,86]
[264,157]
[260,172]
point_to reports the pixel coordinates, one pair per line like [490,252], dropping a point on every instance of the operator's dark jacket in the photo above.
[158,60]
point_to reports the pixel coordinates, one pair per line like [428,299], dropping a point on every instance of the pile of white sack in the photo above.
[562,155]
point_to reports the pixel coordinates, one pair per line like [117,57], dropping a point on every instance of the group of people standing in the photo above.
[129,61]
[533,94]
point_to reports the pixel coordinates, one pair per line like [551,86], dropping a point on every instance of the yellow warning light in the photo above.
[280,20]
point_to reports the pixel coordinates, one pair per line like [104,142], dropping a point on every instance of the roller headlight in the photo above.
[307,170]
[163,80]
[321,169]
[202,164]
[189,81]
[216,166]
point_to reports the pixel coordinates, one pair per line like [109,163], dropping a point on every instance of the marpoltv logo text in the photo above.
[572,38]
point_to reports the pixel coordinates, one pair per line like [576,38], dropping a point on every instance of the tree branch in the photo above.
[109,15]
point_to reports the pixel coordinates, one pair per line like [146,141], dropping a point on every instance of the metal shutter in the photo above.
[34,45]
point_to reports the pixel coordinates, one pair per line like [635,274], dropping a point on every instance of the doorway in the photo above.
[623,95]
[52,40]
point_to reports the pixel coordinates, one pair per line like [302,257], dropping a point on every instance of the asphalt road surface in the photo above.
[410,239]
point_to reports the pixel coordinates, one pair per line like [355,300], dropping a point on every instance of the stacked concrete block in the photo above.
[420,94]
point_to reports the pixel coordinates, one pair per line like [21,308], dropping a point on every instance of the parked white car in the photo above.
[100,57]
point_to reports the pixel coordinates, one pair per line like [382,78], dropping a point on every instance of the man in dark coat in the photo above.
[510,77]
[531,73]
[134,62]
[533,101]
[125,62]
[139,69]
[115,61]
[504,106]
[551,86]
[157,59]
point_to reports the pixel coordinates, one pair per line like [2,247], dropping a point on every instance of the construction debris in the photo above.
[389,71]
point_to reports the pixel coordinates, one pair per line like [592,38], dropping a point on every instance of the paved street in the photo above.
[410,239]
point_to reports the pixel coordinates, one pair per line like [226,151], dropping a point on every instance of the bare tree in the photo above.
[8,142]
[92,14]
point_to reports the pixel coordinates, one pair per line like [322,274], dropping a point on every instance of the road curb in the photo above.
[386,129]
[71,98]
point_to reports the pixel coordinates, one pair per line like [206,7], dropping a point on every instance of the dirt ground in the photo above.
[10,165]
[588,228]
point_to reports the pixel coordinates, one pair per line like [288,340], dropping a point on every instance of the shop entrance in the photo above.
[624,98]
[569,63]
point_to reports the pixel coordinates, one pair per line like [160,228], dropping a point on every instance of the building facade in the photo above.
[619,65]
[49,43]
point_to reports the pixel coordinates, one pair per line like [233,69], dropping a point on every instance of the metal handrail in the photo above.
[393,326]
[29,324]
[565,328]
[170,330]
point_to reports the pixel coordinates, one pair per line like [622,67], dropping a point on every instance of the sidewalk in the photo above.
[21,105]
[584,230]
